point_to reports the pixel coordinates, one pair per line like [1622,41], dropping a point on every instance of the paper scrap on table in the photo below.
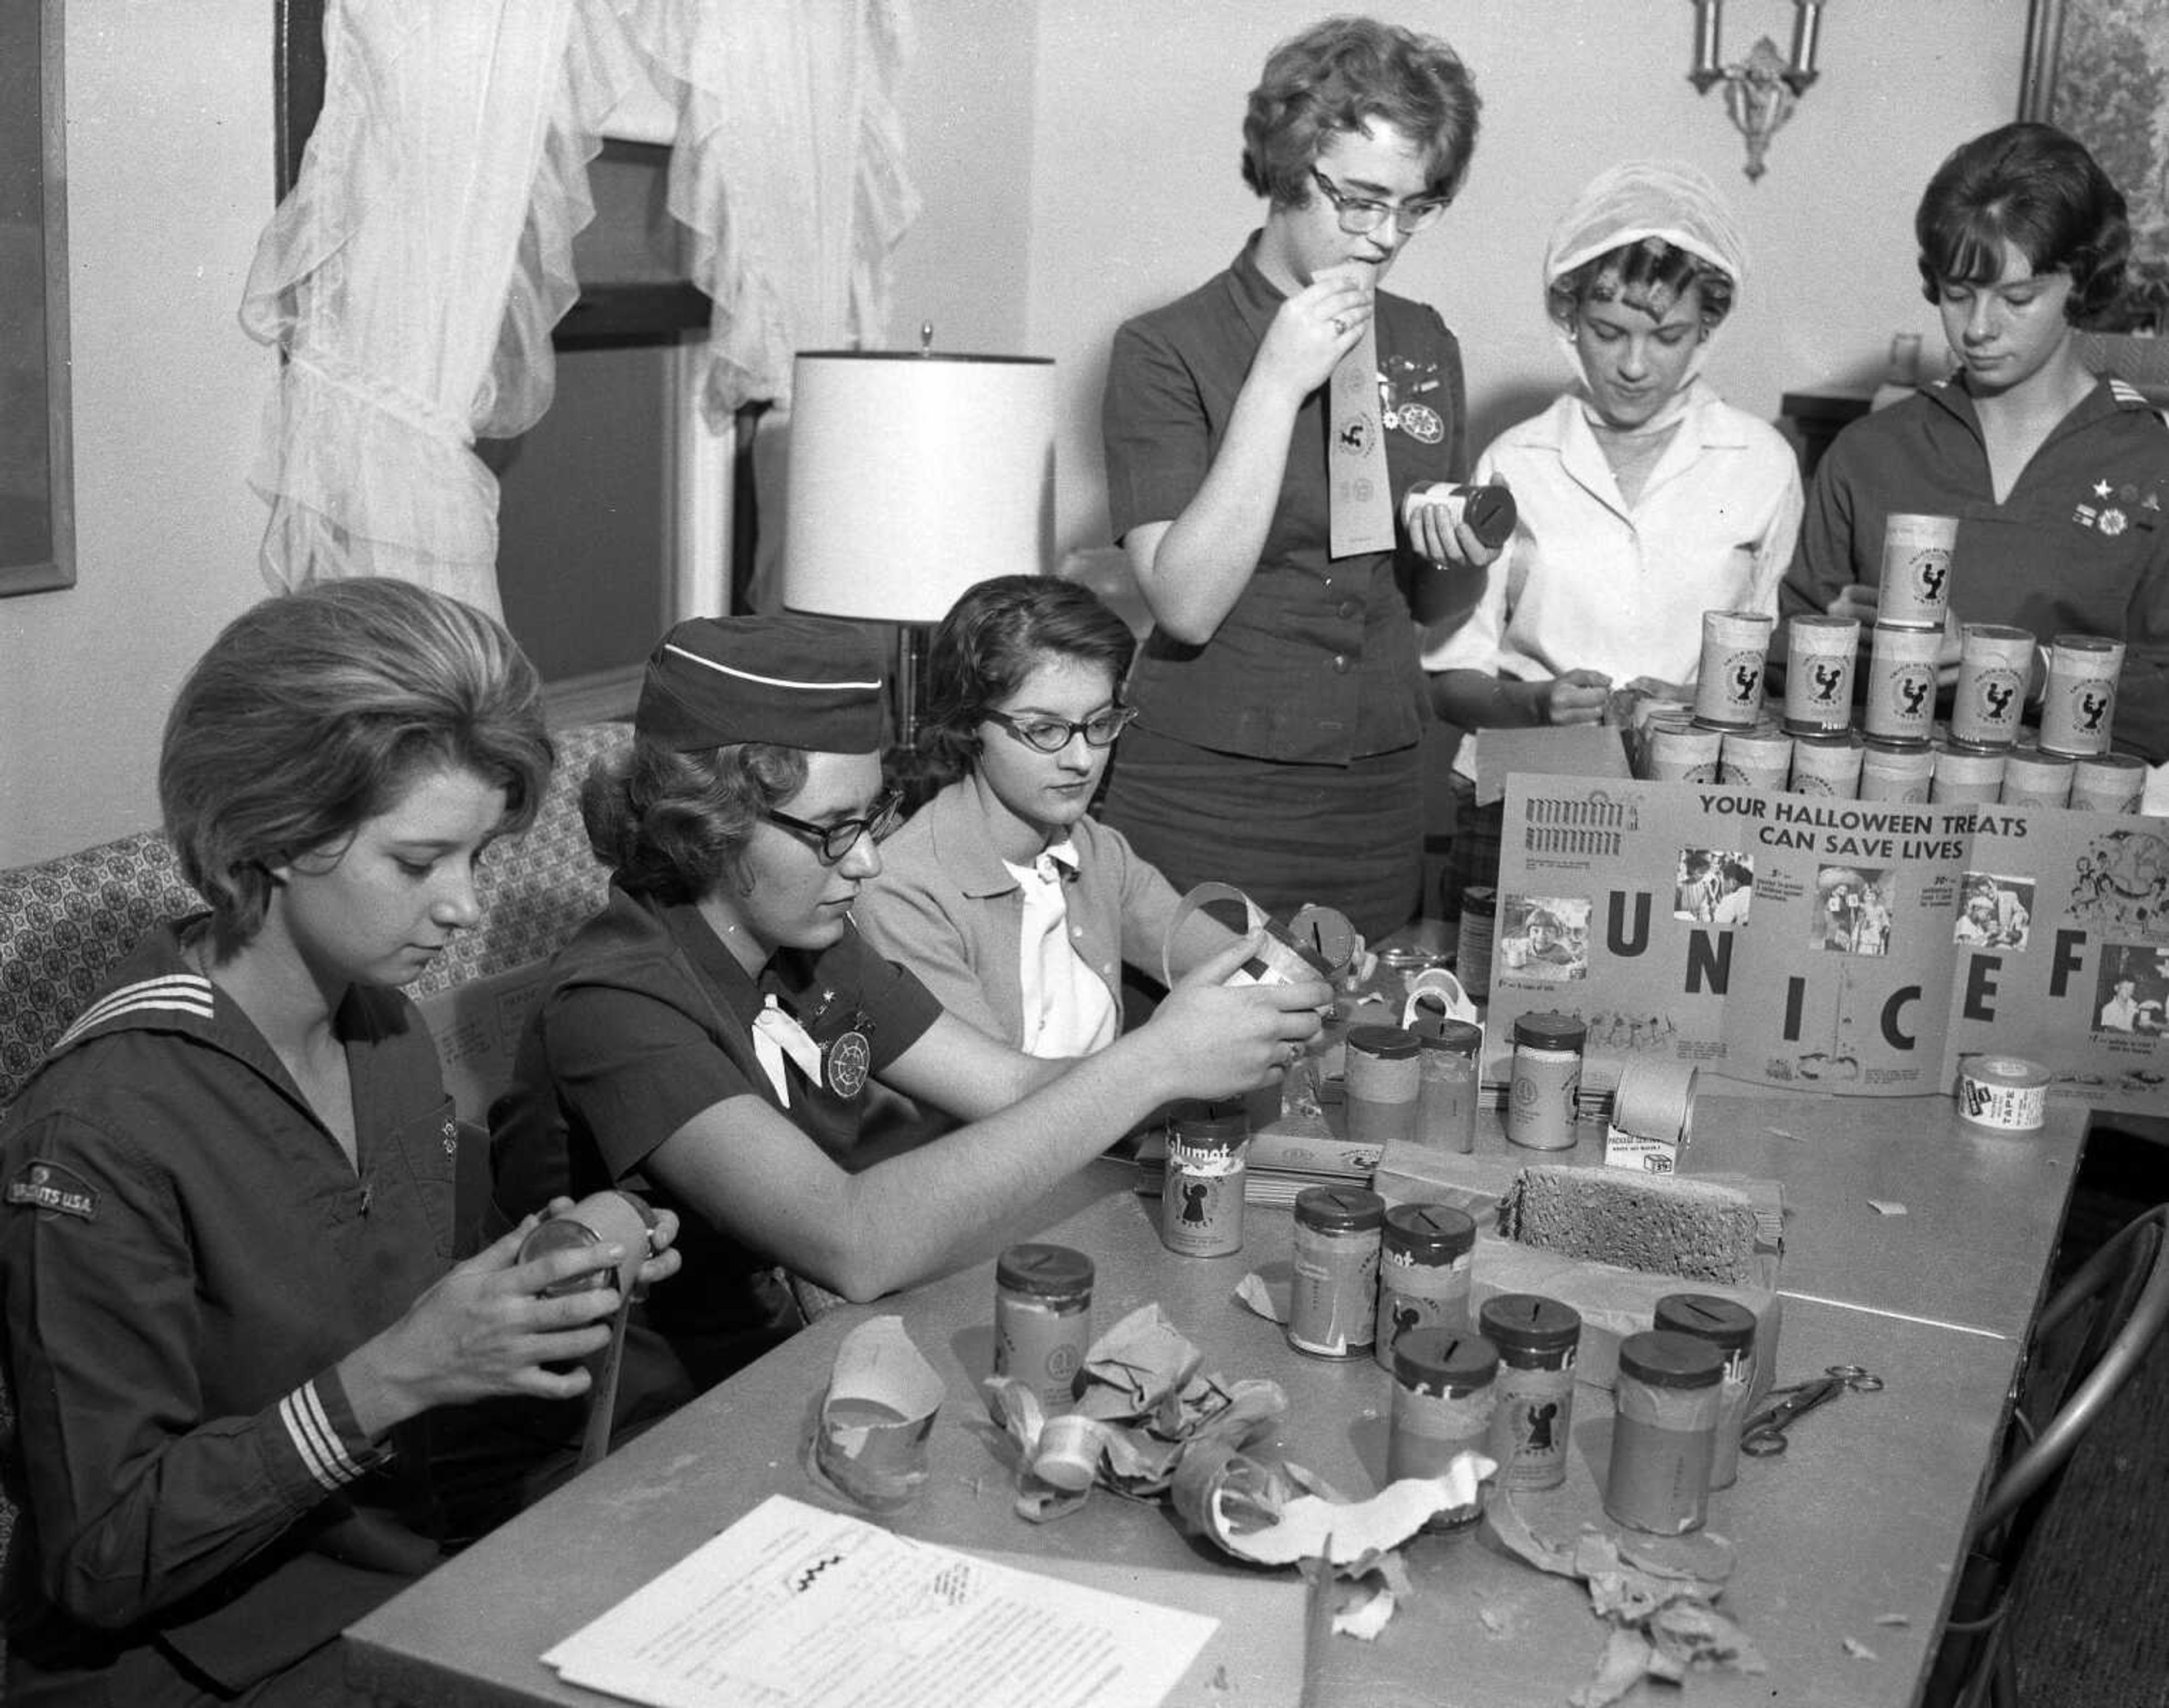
[1886,1206]
[870,1438]
[794,1607]
[1657,1593]
[1268,1298]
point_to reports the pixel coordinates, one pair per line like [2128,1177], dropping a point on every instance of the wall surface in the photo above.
[1077,162]
[168,182]
[1137,195]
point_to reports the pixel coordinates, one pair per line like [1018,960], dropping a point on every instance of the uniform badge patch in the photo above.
[846,1059]
[49,1187]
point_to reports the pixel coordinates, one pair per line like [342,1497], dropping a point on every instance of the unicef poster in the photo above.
[1858,947]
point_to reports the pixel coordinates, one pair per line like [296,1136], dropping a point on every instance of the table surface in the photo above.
[1851,1537]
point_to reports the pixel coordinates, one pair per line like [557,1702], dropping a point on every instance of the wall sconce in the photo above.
[1759,93]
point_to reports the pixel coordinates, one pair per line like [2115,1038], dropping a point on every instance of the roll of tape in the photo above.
[604,1218]
[1655,1101]
[2008,1093]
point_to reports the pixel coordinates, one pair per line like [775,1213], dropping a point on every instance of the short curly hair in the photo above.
[1649,274]
[1341,73]
[2039,190]
[317,709]
[674,825]
[994,637]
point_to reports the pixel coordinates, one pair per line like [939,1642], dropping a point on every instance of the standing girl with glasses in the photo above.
[1003,893]
[1279,690]
[711,1034]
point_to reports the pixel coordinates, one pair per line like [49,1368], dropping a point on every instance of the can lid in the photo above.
[1306,953]
[1529,1321]
[1045,1271]
[1341,1208]
[1727,1322]
[1450,1359]
[2089,643]
[2109,762]
[1392,1043]
[1547,1029]
[1901,746]
[1436,1232]
[1219,1120]
[1666,1358]
[1461,1037]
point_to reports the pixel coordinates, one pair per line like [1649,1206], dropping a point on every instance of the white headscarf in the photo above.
[1624,204]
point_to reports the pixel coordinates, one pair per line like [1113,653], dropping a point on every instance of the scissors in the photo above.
[1764,1433]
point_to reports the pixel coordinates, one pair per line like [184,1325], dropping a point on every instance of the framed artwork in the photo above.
[2100,69]
[37,510]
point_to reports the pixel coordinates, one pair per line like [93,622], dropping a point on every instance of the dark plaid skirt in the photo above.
[1346,835]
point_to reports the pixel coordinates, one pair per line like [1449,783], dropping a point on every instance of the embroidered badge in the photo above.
[48,1186]
[846,1059]
[1401,383]
[2113,522]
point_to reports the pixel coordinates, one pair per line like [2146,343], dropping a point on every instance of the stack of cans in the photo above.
[1899,752]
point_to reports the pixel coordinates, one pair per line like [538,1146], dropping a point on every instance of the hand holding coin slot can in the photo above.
[1489,511]
[621,1219]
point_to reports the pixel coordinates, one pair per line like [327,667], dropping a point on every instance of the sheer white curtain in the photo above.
[790,173]
[413,275]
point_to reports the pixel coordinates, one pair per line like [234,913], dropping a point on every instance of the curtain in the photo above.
[413,275]
[789,171]
[412,278]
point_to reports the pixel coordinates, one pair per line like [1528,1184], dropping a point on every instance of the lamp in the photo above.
[1761,91]
[912,476]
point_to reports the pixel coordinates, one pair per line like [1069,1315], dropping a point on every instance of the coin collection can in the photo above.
[1384,1077]
[1202,1194]
[2108,783]
[2079,705]
[1962,775]
[1915,584]
[1728,1326]
[1444,1395]
[1043,1319]
[1536,1339]
[2032,778]
[1995,666]
[1333,1298]
[1821,653]
[1735,645]
[1896,770]
[1425,1253]
[1901,682]
[1474,933]
[1757,758]
[1684,752]
[1827,765]
[1546,1080]
[1664,1432]
[1450,1086]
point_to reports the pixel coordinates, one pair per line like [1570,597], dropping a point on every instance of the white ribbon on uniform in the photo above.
[776,1035]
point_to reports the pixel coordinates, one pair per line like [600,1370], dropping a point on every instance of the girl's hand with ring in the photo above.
[1312,330]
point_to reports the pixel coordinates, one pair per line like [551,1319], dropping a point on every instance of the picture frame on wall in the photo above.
[2099,69]
[37,508]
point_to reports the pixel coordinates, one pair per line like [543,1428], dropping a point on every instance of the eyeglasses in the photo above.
[1050,734]
[832,842]
[1359,214]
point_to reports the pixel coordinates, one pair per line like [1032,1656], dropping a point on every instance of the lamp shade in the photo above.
[913,476]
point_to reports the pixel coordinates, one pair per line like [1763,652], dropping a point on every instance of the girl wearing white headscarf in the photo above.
[1644,499]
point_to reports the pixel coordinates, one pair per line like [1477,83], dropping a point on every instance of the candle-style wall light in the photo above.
[1760,91]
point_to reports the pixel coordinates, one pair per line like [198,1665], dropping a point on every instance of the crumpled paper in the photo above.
[1150,1423]
[1657,1593]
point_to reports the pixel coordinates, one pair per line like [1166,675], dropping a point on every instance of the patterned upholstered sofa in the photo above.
[63,923]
